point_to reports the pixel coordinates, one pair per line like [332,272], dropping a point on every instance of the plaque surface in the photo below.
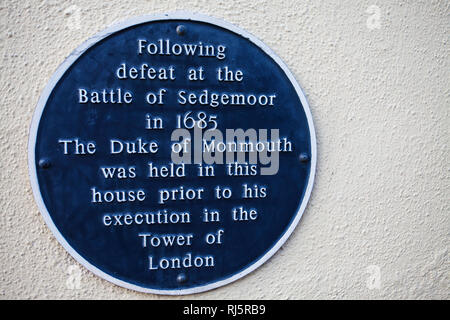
[172,154]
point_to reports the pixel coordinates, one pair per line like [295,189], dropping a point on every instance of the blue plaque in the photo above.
[172,154]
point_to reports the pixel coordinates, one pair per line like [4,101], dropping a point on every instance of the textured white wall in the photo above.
[380,100]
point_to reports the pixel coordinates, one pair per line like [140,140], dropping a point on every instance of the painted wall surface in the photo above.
[377,77]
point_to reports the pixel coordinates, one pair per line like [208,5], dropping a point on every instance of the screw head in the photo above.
[44,163]
[304,157]
[181,278]
[181,30]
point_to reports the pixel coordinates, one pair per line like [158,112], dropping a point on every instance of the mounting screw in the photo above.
[304,157]
[44,163]
[181,278]
[181,30]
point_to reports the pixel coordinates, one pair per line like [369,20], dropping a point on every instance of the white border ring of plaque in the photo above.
[179,15]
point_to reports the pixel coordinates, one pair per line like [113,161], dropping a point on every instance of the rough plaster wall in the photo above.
[380,102]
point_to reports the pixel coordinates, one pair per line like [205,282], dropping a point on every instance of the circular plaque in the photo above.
[172,154]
